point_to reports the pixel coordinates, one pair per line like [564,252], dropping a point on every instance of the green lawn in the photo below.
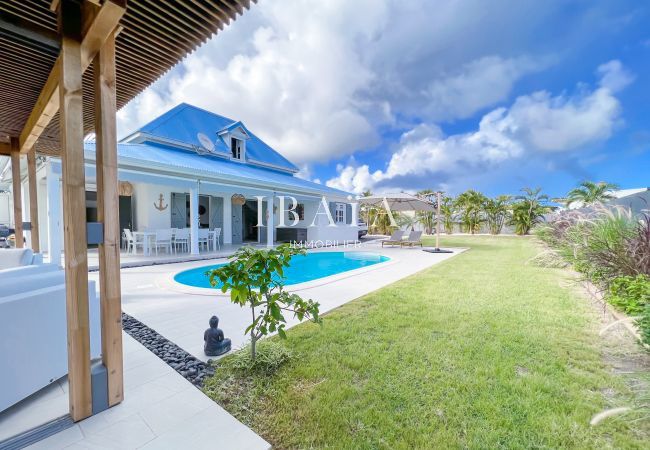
[481,351]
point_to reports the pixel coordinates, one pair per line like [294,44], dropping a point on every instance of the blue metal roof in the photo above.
[158,156]
[184,122]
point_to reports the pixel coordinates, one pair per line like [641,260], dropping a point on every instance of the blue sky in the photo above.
[394,95]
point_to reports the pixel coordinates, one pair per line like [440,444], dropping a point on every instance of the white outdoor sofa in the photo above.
[33,332]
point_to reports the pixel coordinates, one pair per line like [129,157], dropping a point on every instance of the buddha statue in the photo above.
[215,343]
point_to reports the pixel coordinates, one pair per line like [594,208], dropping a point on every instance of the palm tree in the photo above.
[406,220]
[426,218]
[377,219]
[470,203]
[588,193]
[497,211]
[365,209]
[529,210]
[448,212]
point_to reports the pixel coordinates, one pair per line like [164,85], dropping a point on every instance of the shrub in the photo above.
[602,244]
[638,246]
[270,356]
[605,246]
[630,294]
[644,324]
[255,280]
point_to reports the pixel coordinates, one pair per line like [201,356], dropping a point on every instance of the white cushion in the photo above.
[15,257]
[33,340]
[25,281]
[8,275]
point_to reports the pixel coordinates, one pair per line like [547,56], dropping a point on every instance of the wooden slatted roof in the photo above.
[156,35]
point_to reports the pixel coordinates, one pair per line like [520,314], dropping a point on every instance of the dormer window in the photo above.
[237,148]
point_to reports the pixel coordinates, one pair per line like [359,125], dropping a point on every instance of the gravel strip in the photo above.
[191,368]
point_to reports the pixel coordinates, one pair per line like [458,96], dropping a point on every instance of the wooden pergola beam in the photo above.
[5,149]
[98,24]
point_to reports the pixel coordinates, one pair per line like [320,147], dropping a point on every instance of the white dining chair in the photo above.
[132,242]
[182,238]
[163,240]
[217,238]
[204,235]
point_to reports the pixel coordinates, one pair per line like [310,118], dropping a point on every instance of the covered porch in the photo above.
[68,65]
[172,217]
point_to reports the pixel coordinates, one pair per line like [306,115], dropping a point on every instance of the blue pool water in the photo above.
[303,267]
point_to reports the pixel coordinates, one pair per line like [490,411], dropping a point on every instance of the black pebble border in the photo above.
[193,369]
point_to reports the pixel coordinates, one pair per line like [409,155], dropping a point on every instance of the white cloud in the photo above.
[479,84]
[317,80]
[304,172]
[536,123]
[563,123]
[294,86]
[322,80]
[614,76]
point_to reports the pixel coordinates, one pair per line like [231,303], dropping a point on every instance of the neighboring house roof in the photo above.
[621,193]
[182,125]
[159,158]
[637,200]
[616,195]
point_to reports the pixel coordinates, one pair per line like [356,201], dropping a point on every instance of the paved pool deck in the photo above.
[181,313]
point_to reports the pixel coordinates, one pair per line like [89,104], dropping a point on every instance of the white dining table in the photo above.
[146,239]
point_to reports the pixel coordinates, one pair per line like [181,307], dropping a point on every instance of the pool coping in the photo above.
[167,281]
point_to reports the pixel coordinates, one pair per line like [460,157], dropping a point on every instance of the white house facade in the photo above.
[191,168]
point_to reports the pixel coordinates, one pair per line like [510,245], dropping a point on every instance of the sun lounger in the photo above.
[415,238]
[394,239]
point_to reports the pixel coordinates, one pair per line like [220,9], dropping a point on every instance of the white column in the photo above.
[270,225]
[227,220]
[194,220]
[54,231]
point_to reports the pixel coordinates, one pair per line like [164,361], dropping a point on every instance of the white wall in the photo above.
[322,231]
[146,216]
[41,191]
[6,208]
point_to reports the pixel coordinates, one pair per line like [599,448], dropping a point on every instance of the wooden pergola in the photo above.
[49,101]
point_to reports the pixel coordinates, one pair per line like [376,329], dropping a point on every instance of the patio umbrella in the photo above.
[408,202]
[398,202]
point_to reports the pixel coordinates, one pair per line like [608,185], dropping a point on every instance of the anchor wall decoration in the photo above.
[160,206]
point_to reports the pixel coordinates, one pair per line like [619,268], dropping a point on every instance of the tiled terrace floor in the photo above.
[161,410]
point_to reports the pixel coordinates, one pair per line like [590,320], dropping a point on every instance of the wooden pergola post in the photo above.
[33,201]
[74,202]
[108,215]
[16,187]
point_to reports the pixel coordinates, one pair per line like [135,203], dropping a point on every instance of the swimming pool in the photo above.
[303,268]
